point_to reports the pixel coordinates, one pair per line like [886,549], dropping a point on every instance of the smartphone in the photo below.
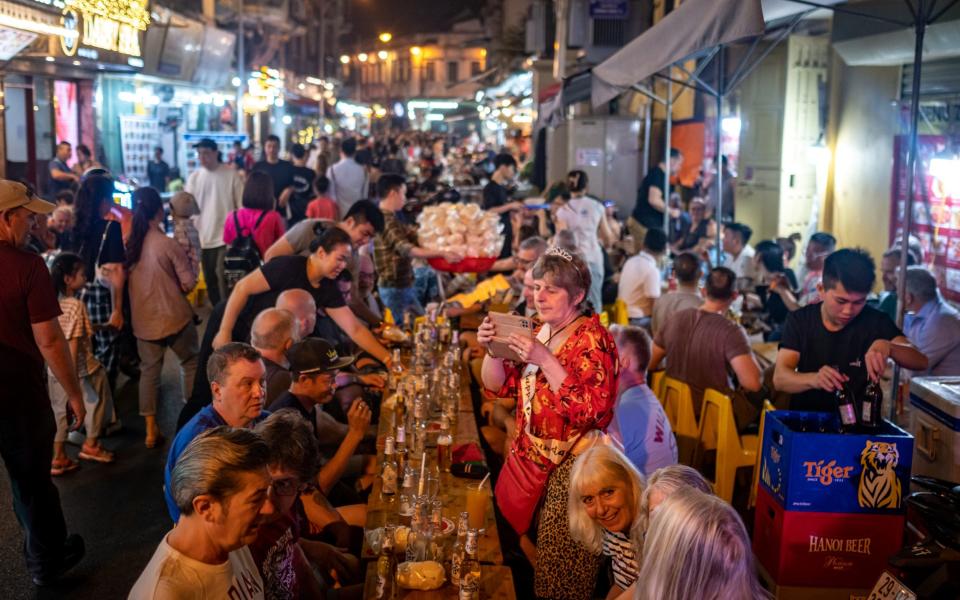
[507,325]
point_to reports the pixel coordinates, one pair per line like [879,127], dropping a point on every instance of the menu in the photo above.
[936,205]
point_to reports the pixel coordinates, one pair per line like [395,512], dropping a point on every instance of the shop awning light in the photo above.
[36,27]
[362,57]
[344,59]
[443,105]
[382,55]
[415,104]
[434,117]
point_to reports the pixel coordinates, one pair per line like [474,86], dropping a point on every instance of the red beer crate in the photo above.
[842,550]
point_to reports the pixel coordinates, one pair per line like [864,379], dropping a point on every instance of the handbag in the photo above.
[523,482]
[110,275]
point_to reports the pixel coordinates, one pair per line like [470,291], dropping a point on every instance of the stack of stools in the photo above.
[830,507]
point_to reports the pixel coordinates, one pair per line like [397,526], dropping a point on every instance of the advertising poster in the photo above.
[65,112]
[936,205]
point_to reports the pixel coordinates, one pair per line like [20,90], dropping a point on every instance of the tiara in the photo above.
[558,251]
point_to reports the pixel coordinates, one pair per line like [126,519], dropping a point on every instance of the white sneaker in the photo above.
[76,438]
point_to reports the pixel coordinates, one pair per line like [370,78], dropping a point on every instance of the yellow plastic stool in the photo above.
[656,384]
[620,316]
[718,429]
[678,406]
[767,406]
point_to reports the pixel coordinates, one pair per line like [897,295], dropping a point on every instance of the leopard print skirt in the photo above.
[566,570]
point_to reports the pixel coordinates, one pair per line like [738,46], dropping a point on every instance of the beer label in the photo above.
[847,414]
[455,561]
[389,481]
[469,587]
[867,411]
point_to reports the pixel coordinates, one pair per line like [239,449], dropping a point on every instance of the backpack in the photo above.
[242,256]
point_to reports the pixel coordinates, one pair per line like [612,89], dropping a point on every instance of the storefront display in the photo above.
[138,138]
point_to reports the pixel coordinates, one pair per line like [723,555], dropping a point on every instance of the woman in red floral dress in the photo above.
[565,380]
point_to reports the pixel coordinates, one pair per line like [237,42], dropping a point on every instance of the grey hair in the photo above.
[211,463]
[600,465]
[292,443]
[921,283]
[702,551]
[534,243]
[667,480]
[272,328]
[218,366]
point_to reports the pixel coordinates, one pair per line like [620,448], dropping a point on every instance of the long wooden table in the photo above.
[452,489]
[496,583]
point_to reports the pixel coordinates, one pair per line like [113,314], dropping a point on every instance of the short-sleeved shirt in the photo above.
[76,324]
[270,229]
[322,207]
[700,346]
[57,186]
[805,333]
[281,172]
[303,233]
[643,212]
[274,552]
[302,193]
[670,303]
[618,547]
[582,216]
[494,196]
[157,173]
[641,426]
[96,249]
[639,280]
[286,273]
[26,297]
[171,574]
[207,418]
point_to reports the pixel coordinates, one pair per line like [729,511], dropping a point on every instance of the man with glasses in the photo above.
[236,373]
[282,556]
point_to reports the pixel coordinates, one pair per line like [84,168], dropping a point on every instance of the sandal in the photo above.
[96,454]
[59,466]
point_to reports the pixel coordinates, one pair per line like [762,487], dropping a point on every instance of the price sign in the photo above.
[889,587]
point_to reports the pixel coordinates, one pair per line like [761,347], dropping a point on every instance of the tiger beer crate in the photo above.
[823,550]
[834,472]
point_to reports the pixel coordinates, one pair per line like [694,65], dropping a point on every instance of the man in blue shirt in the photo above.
[639,423]
[933,326]
[236,373]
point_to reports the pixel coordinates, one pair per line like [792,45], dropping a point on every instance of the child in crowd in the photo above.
[183,206]
[69,278]
[323,206]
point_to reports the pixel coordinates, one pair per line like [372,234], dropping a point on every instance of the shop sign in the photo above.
[111,25]
[608,9]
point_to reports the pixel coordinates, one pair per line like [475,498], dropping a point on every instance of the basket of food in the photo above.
[464,230]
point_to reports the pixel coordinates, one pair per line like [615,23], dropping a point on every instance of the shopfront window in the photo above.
[43,118]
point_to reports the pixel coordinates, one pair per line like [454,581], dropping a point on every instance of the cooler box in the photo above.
[805,469]
[823,550]
[935,423]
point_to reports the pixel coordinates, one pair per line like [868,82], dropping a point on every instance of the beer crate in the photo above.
[805,592]
[807,465]
[823,550]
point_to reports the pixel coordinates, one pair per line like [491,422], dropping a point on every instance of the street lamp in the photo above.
[344,59]
[362,57]
[382,55]
[385,37]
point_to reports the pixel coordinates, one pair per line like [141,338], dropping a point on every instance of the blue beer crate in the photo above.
[807,465]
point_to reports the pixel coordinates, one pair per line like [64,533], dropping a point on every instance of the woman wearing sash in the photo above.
[565,378]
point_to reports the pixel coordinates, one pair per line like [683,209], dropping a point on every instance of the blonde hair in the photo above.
[600,465]
[667,480]
[698,549]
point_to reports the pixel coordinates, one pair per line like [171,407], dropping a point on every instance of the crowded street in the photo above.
[480,300]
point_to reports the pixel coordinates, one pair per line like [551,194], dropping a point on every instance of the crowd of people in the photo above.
[306,262]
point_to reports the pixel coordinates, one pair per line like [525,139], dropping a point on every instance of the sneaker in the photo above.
[76,438]
[59,466]
[73,550]
[96,454]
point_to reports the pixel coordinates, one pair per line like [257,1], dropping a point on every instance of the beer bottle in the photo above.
[400,449]
[846,409]
[459,547]
[396,370]
[870,407]
[387,566]
[470,569]
[444,443]
[389,473]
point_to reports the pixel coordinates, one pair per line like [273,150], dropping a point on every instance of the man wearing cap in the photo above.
[29,335]
[236,374]
[314,364]
[218,190]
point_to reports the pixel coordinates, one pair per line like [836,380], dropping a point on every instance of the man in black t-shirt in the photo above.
[648,212]
[840,341]
[158,171]
[281,171]
[302,192]
[496,197]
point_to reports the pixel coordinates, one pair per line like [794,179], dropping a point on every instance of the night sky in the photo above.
[400,17]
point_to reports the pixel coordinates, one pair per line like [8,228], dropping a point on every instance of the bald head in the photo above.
[301,304]
[274,329]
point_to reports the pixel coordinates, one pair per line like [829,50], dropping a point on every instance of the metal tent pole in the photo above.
[647,117]
[920,29]
[241,67]
[666,170]
[718,214]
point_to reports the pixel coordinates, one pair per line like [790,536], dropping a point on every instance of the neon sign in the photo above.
[106,24]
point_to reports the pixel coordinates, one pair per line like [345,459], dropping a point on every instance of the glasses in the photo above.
[285,487]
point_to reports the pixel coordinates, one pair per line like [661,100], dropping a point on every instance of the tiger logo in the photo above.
[879,485]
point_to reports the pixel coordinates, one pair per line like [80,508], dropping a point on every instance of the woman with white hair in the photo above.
[697,549]
[604,507]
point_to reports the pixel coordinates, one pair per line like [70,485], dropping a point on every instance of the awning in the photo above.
[694,26]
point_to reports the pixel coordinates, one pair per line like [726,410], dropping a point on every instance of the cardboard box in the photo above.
[807,466]
[796,592]
[829,550]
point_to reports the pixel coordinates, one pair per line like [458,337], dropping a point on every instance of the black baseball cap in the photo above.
[206,143]
[314,355]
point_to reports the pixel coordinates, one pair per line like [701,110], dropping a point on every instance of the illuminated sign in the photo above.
[106,24]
